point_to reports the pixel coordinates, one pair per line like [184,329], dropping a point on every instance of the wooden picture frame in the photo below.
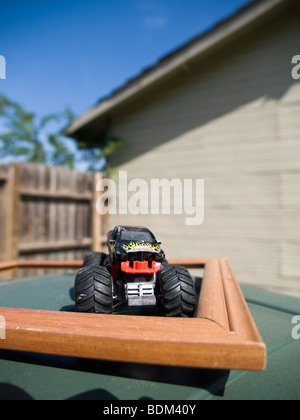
[223,335]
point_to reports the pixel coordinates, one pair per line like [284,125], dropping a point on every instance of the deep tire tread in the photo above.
[177,292]
[93,290]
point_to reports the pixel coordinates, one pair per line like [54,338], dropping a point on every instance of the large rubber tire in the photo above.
[94,290]
[176,292]
[94,259]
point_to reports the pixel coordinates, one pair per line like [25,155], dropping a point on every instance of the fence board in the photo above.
[4,176]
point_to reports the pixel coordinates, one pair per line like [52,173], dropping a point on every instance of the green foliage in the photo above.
[30,138]
[111,146]
[26,136]
[99,157]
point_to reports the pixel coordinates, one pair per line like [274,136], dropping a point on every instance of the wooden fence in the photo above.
[48,213]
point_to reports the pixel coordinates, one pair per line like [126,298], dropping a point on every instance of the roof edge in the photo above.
[174,60]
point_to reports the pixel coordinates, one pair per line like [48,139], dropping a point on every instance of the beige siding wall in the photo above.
[233,120]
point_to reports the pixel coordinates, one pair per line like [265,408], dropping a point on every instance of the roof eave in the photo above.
[175,61]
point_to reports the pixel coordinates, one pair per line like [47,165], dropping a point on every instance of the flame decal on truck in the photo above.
[136,246]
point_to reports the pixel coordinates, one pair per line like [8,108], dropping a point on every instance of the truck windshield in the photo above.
[136,236]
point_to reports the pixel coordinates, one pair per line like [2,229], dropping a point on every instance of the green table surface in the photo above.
[43,377]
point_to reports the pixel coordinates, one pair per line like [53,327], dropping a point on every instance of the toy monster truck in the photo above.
[135,271]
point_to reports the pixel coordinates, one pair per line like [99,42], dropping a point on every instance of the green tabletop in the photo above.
[41,377]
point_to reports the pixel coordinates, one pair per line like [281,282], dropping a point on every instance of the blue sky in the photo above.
[73,52]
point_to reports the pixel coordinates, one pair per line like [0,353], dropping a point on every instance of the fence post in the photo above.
[12,213]
[96,218]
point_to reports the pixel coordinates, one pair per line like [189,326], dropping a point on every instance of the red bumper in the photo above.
[140,267]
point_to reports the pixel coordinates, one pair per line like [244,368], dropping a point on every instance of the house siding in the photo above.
[231,119]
